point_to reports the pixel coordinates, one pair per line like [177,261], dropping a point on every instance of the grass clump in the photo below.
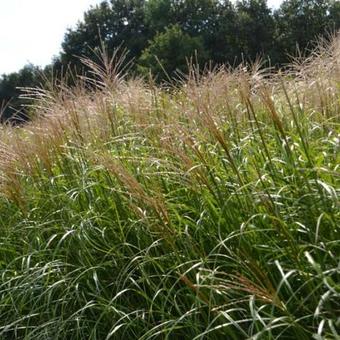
[204,211]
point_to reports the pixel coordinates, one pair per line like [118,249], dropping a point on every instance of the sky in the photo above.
[31,31]
[274,3]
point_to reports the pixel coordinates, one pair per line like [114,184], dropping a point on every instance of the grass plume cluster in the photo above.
[208,210]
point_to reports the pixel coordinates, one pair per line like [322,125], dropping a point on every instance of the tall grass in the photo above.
[208,210]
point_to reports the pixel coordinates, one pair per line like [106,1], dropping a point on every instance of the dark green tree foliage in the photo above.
[193,16]
[118,23]
[227,32]
[334,15]
[197,17]
[212,20]
[256,29]
[301,22]
[159,14]
[169,51]
[222,40]
[10,90]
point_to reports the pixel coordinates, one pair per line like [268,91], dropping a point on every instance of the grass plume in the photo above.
[204,210]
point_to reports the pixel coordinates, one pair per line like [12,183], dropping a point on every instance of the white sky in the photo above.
[31,31]
[274,3]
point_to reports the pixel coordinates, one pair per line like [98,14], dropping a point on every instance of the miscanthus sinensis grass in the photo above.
[209,210]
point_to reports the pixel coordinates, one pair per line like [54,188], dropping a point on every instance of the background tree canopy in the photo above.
[171,31]
[10,102]
[167,52]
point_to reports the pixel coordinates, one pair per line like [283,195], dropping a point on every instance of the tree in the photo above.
[334,15]
[222,40]
[118,23]
[301,22]
[169,52]
[213,21]
[195,17]
[256,29]
[10,91]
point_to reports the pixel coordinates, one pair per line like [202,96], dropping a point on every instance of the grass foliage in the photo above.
[205,210]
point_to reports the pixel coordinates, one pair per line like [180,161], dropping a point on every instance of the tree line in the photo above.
[160,36]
